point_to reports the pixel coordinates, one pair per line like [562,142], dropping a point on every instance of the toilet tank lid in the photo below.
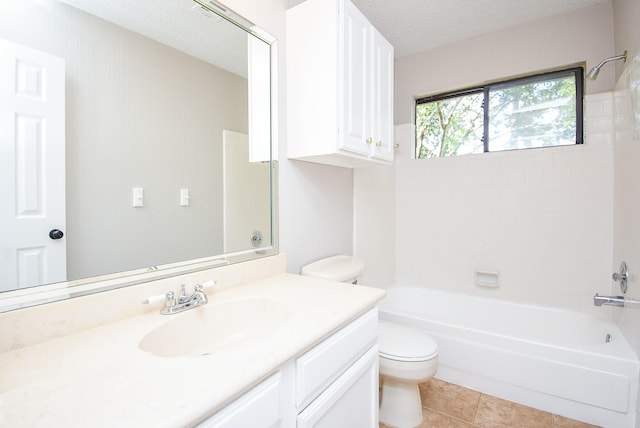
[402,343]
[336,268]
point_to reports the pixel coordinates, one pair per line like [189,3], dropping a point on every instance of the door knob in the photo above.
[55,234]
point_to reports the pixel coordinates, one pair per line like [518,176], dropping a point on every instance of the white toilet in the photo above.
[407,356]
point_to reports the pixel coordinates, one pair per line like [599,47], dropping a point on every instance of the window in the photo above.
[535,111]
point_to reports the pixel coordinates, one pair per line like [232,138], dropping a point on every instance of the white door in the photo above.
[32,167]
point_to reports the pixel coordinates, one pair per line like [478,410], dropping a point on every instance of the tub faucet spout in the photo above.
[599,300]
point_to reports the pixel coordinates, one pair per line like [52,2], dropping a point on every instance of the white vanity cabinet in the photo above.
[339,86]
[334,384]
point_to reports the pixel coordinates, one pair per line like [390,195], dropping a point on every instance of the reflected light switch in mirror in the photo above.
[184,197]
[138,197]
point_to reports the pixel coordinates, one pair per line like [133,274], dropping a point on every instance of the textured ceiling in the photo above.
[181,24]
[413,26]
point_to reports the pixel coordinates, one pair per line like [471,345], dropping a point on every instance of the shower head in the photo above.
[593,73]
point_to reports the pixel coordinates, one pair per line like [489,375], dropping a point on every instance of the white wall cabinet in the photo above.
[339,86]
[319,389]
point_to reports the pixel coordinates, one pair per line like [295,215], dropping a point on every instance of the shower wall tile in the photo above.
[542,218]
[598,113]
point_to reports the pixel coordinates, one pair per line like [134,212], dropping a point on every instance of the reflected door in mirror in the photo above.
[32,172]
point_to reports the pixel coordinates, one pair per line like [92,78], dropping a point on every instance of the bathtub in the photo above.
[556,360]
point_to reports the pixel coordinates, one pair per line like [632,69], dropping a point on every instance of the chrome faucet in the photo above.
[185,300]
[599,300]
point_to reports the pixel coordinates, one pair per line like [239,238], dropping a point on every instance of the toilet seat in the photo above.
[400,343]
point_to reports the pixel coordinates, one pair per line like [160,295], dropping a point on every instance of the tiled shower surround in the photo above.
[542,218]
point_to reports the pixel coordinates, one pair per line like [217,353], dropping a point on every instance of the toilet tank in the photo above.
[336,268]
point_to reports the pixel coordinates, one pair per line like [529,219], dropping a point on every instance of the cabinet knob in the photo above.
[379,144]
[369,140]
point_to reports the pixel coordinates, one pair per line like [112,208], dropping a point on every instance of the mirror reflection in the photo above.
[132,136]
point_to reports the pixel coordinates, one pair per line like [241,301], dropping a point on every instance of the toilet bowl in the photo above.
[407,356]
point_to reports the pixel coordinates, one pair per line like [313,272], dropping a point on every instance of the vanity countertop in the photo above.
[100,377]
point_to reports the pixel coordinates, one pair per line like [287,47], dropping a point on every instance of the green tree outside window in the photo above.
[537,111]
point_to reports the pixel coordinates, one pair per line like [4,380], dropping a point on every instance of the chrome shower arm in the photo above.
[623,57]
[593,73]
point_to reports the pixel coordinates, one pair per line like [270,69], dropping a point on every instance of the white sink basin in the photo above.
[215,327]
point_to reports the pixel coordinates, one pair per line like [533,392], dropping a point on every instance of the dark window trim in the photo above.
[449,95]
[576,71]
[485,121]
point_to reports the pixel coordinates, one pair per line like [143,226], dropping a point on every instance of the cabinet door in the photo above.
[382,90]
[354,114]
[351,401]
[320,367]
[259,408]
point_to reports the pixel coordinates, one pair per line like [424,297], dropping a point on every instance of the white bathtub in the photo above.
[550,359]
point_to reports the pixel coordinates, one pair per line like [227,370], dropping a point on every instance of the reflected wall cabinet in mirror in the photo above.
[135,143]
[340,91]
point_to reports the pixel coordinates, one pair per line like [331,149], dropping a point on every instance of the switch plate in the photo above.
[138,197]
[184,197]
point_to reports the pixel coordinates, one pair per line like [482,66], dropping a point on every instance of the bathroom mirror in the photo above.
[135,143]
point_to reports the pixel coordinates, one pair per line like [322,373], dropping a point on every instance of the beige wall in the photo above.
[584,35]
[626,32]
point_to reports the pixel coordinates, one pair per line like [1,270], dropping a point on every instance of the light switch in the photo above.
[138,197]
[184,197]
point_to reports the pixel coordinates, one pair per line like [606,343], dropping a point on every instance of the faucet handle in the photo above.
[170,299]
[208,284]
[622,277]
[198,290]
[184,296]
[151,300]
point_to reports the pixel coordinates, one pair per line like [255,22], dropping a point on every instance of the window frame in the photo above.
[577,71]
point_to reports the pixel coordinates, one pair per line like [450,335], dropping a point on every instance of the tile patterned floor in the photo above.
[446,405]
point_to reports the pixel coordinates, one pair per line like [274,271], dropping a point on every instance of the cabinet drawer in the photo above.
[259,408]
[318,368]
